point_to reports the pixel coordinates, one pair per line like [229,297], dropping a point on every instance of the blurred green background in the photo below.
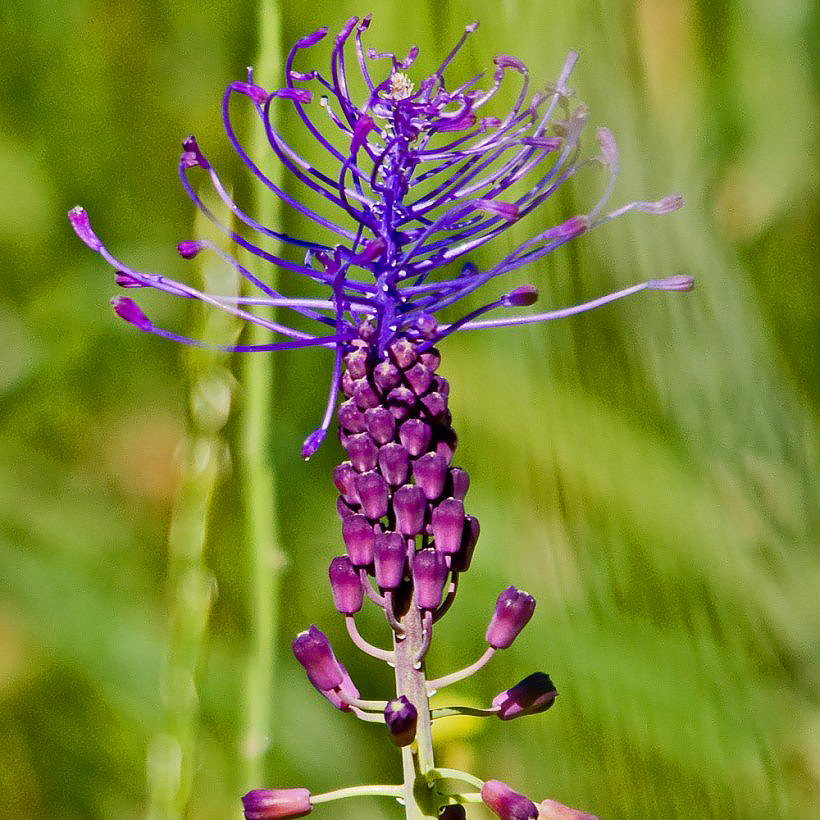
[646,471]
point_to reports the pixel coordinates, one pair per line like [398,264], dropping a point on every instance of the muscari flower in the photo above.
[428,175]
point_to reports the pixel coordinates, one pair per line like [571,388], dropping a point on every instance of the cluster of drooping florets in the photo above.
[426,176]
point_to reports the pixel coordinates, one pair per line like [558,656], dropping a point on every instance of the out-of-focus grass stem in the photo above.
[265,558]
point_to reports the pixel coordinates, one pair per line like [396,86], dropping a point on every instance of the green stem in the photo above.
[258,485]
[358,791]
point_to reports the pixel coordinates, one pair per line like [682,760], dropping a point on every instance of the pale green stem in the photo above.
[265,557]
[358,791]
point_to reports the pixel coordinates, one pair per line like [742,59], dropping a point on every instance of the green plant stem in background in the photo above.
[265,558]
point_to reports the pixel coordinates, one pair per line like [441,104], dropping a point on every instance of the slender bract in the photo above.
[422,173]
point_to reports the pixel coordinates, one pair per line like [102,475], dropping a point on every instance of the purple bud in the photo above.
[343,476]
[345,585]
[419,378]
[357,533]
[553,810]
[255,92]
[455,811]
[441,385]
[414,435]
[389,556]
[394,463]
[608,148]
[351,418]
[364,125]
[343,509]
[446,442]
[364,395]
[429,577]
[536,693]
[192,156]
[427,327]
[386,376]
[458,482]
[680,282]
[401,402]
[271,804]
[127,280]
[189,248]
[401,717]
[311,39]
[380,424]
[356,364]
[460,562]
[348,384]
[311,444]
[410,506]
[430,358]
[313,651]
[128,309]
[362,451]
[522,296]
[373,494]
[347,688]
[447,522]
[403,353]
[79,220]
[435,404]
[573,227]
[506,803]
[513,610]
[430,472]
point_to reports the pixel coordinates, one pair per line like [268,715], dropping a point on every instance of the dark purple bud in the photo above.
[373,494]
[311,444]
[401,402]
[427,327]
[513,610]
[410,506]
[435,404]
[506,803]
[128,309]
[455,811]
[343,509]
[271,804]
[127,280]
[189,248]
[441,385]
[313,651]
[364,395]
[429,577]
[446,441]
[458,482]
[356,363]
[348,384]
[536,693]
[345,585]
[380,424]
[430,358]
[394,463]
[419,378]
[460,562]
[522,296]
[447,522]
[430,472]
[79,220]
[403,353]
[401,717]
[389,557]
[362,451]
[343,479]
[192,156]
[357,533]
[386,376]
[351,418]
[364,125]
[414,435]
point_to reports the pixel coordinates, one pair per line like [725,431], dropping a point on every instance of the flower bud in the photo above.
[415,435]
[513,610]
[401,402]
[394,463]
[358,536]
[430,472]
[410,507]
[351,418]
[506,803]
[460,562]
[189,248]
[429,576]
[362,451]
[419,378]
[458,482]
[372,490]
[403,353]
[380,424]
[386,376]
[447,522]
[401,717]
[313,651]
[345,585]
[271,804]
[78,217]
[553,810]
[389,556]
[343,475]
[536,693]
[364,395]
[129,310]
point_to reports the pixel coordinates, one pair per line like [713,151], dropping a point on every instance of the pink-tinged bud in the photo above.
[394,463]
[358,535]
[430,358]
[553,810]
[192,157]
[506,803]
[430,473]
[78,217]
[189,248]
[389,557]
[435,404]
[373,494]
[362,451]
[427,327]
[386,376]
[356,363]
[271,804]
[351,418]
[401,402]
[312,649]
[513,610]
[403,353]
[506,210]
[447,522]
[128,309]
[127,280]
[343,476]
[415,435]
[536,693]
[573,227]
[458,482]
[347,688]
[681,282]
[460,562]
[311,444]
[522,296]
[410,507]
[345,585]
[380,424]
[608,148]
[364,395]
[662,206]
[429,577]
[401,718]
[419,378]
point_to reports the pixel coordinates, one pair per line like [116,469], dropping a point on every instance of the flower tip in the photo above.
[522,296]
[127,280]
[312,442]
[192,157]
[471,27]
[573,227]
[608,148]
[665,205]
[401,718]
[189,248]
[78,217]
[536,693]
[255,92]
[128,310]
[680,282]
[311,39]
[506,803]
[553,810]
[269,804]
